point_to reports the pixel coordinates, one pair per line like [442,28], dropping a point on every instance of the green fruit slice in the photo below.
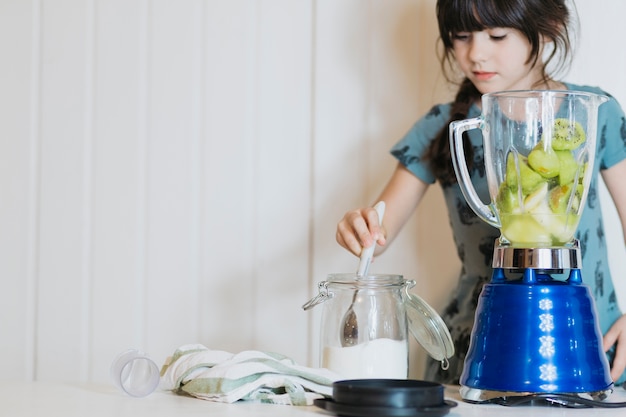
[530,180]
[544,161]
[534,199]
[578,196]
[581,176]
[568,165]
[559,198]
[523,230]
[507,201]
[566,135]
[511,171]
[560,226]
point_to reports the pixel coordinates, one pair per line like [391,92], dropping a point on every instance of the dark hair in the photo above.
[535,19]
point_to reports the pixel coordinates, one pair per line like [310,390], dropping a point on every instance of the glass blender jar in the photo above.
[539,149]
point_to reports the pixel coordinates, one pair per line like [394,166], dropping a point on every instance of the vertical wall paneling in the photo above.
[282,180]
[19,83]
[143,132]
[171,303]
[120,103]
[86,273]
[32,210]
[229,125]
[62,193]
[339,108]
[198,81]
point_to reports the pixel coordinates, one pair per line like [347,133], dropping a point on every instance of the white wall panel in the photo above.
[282,176]
[64,191]
[19,83]
[119,153]
[229,124]
[171,177]
[341,94]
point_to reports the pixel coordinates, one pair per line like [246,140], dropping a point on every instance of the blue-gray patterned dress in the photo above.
[474,238]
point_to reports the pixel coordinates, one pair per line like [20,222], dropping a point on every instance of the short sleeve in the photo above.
[410,149]
[611,134]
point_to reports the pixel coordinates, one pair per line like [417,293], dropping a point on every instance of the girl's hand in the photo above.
[617,336]
[359,229]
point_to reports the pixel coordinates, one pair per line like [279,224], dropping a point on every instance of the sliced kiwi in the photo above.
[578,197]
[560,226]
[544,161]
[529,179]
[567,135]
[525,231]
[511,171]
[559,198]
[538,196]
[581,175]
[568,167]
[507,201]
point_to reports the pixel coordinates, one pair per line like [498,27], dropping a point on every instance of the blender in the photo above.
[536,330]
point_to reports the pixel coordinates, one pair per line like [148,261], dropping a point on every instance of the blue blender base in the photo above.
[535,334]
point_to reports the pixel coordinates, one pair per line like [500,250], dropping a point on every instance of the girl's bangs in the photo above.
[477,15]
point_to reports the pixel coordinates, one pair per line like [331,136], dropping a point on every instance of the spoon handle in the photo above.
[368,253]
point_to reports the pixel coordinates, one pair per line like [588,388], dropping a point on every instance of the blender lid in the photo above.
[428,328]
[386,397]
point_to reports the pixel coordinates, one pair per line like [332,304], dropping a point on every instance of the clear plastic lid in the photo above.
[429,329]
[135,373]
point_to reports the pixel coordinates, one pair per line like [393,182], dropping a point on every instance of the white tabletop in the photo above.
[24,399]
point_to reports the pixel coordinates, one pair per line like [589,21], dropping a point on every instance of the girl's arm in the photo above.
[615,183]
[359,228]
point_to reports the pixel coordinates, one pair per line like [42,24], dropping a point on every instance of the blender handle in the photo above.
[456,130]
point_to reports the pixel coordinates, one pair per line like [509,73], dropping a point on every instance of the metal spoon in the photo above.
[349,328]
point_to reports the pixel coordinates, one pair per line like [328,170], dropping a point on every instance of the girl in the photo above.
[497,45]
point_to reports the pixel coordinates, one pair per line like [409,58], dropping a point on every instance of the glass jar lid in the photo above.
[428,328]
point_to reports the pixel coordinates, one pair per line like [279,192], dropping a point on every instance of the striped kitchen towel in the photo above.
[251,375]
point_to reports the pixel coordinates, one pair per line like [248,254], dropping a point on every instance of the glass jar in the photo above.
[364,326]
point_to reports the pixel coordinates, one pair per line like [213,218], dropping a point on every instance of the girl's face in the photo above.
[495,59]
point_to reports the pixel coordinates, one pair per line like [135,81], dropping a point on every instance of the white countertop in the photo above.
[34,399]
